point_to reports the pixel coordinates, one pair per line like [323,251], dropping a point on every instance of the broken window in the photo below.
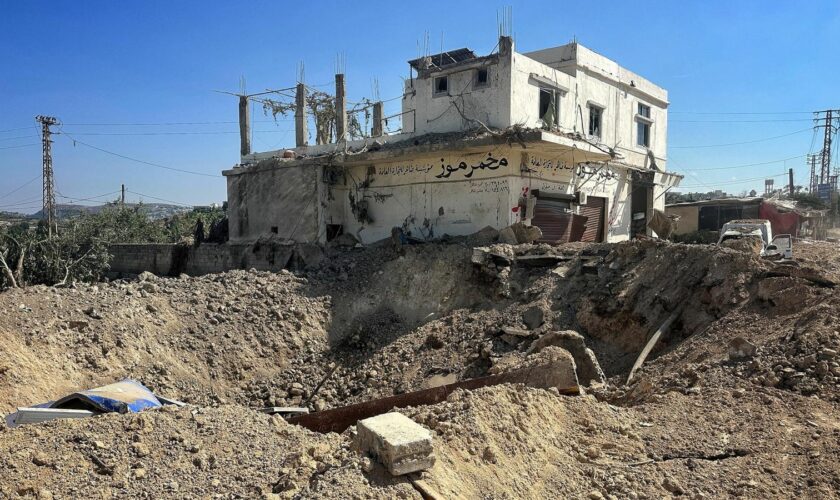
[549,111]
[441,85]
[595,114]
[643,124]
[482,78]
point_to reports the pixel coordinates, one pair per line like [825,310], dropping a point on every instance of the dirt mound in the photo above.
[185,453]
[197,339]
[514,442]
[748,373]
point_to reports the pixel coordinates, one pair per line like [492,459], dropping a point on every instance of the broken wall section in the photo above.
[273,200]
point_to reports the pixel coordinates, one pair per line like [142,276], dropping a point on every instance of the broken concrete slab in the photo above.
[308,255]
[399,443]
[507,235]
[588,368]
[519,233]
[533,317]
[36,415]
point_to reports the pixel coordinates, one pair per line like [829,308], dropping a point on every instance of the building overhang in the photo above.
[565,147]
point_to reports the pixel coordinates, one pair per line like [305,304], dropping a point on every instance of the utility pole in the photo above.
[812,162]
[49,212]
[827,120]
[122,195]
[790,181]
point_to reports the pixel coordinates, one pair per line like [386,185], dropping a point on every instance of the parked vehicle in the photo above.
[742,232]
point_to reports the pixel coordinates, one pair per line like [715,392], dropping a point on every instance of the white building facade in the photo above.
[562,138]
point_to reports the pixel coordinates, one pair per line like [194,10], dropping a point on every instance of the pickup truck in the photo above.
[740,233]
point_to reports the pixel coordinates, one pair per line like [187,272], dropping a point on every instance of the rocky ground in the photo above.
[739,397]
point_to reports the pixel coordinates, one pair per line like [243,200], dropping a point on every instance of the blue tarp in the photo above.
[125,396]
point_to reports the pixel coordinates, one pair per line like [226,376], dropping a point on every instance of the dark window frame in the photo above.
[596,120]
[477,83]
[644,125]
[436,85]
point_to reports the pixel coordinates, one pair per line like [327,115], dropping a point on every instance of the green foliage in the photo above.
[809,200]
[182,226]
[79,252]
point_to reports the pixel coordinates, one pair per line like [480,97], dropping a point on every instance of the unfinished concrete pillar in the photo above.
[340,109]
[244,126]
[505,45]
[301,134]
[377,119]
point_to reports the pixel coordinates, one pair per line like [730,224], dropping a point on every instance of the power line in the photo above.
[739,181]
[92,198]
[743,166]
[15,190]
[21,145]
[743,121]
[162,124]
[118,155]
[21,202]
[744,142]
[18,137]
[15,129]
[158,199]
[179,133]
[740,112]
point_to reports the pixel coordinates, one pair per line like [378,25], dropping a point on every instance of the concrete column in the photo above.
[244,126]
[340,109]
[377,119]
[301,134]
[505,45]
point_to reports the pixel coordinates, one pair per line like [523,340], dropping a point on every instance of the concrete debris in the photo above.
[519,233]
[741,348]
[399,443]
[308,256]
[533,317]
[588,369]
[344,240]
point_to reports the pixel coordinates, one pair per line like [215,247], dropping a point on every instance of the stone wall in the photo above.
[172,260]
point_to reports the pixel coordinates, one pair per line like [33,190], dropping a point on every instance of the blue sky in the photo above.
[99,66]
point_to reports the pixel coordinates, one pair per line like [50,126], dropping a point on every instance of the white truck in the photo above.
[741,232]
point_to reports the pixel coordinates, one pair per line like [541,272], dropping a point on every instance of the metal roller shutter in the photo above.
[594,211]
[557,224]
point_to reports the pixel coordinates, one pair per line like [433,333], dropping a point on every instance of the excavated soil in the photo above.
[701,419]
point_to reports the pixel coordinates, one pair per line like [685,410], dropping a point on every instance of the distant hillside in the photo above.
[154,210]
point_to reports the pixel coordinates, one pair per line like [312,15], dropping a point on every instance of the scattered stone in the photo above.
[41,459]
[741,348]
[533,317]
[671,485]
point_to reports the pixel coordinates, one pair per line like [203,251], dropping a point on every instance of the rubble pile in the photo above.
[747,371]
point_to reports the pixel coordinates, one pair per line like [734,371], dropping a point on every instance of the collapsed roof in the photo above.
[443,59]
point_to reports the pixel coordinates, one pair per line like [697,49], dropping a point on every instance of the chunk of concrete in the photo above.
[519,233]
[309,255]
[741,348]
[399,443]
[588,368]
[507,235]
[533,317]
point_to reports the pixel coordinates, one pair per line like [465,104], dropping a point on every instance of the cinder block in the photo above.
[399,443]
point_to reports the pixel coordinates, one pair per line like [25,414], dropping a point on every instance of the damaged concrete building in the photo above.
[563,139]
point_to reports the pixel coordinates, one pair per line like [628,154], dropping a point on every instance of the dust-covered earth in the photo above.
[737,398]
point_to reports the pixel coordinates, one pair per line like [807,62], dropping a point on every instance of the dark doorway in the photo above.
[639,203]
